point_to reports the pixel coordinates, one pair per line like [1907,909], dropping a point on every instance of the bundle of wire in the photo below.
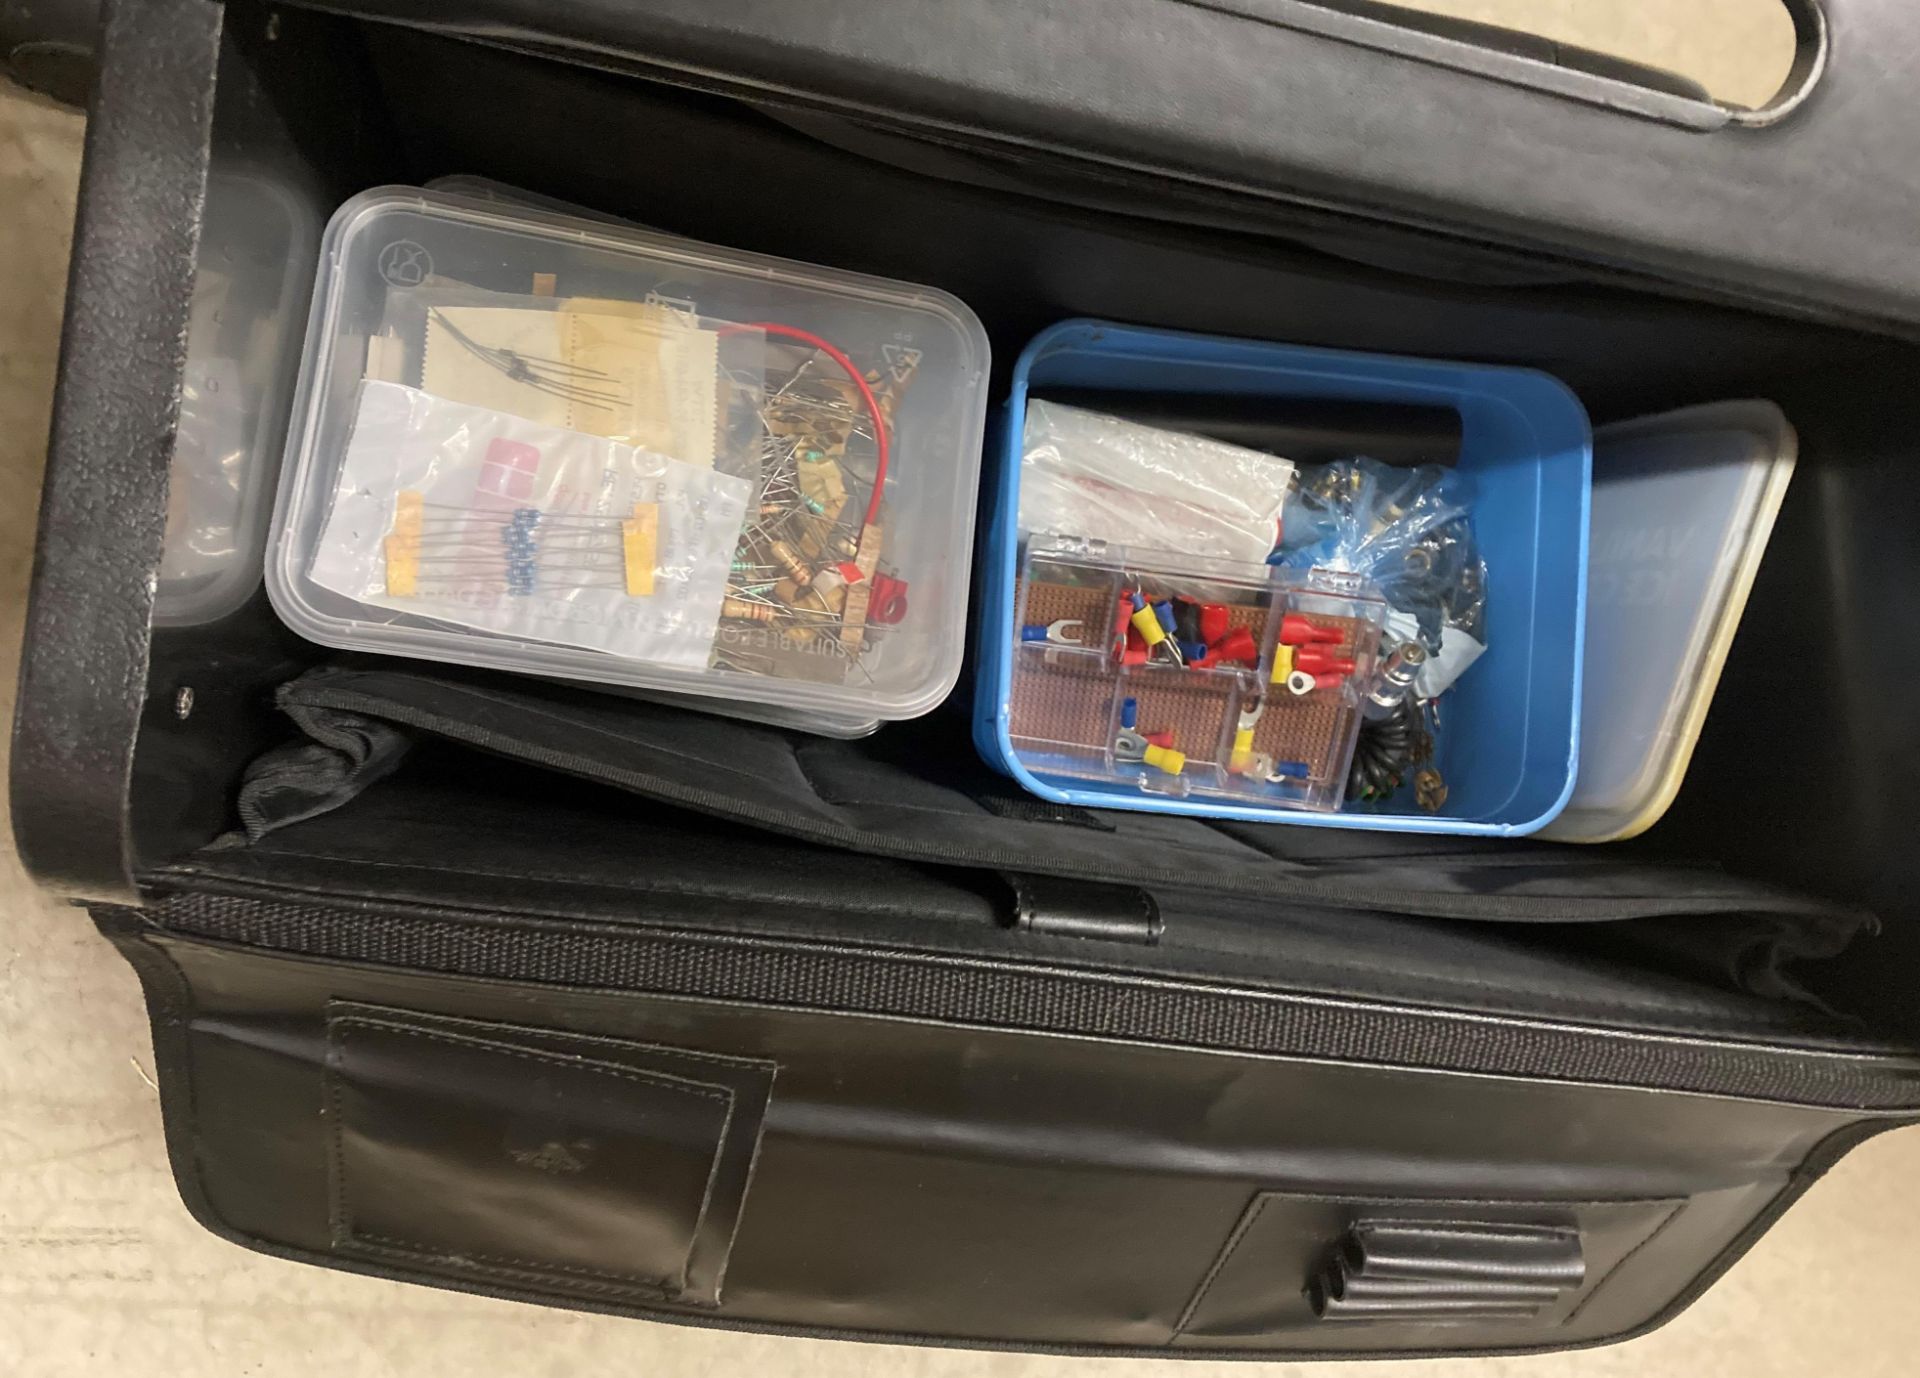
[1386,750]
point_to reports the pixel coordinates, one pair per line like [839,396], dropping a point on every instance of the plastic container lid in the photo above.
[387,250]
[1683,504]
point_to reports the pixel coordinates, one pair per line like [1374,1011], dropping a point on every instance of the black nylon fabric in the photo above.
[344,753]
[461,830]
[907,793]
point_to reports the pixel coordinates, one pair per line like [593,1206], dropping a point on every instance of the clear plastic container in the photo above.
[820,724]
[505,194]
[572,449]
[1682,508]
[1150,675]
[257,241]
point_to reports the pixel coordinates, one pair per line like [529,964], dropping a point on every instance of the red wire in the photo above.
[794,332]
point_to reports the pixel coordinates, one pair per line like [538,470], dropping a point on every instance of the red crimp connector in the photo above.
[1318,660]
[1295,630]
[1237,644]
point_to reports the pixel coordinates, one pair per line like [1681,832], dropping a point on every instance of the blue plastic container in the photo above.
[1511,729]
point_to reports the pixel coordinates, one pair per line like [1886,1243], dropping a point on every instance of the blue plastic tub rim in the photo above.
[1486,394]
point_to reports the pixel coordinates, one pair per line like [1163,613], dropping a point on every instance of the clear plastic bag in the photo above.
[650,374]
[520,529]
[1410,531]
[1086,474]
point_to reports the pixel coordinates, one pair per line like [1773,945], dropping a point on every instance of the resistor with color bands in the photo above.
[747,612]
[789,560]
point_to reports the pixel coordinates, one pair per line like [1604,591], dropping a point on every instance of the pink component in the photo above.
[507,474]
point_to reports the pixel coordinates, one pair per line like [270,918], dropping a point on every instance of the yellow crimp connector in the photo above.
[1165,758]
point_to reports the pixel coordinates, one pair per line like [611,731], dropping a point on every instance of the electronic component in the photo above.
[1106,700]
[1065,631]
[807,563]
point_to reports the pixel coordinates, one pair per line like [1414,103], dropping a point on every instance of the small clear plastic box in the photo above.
[1261,708]
[257,241]
[393,257]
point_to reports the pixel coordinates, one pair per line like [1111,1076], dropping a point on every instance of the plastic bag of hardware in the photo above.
[1086,474]
[1410,532]
[490,521]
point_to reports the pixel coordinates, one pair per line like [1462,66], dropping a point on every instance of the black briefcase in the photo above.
[524,990]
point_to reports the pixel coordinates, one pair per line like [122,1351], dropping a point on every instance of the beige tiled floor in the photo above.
[101,1271]
[1740,50]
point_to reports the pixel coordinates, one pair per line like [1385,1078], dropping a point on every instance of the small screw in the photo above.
[183,703]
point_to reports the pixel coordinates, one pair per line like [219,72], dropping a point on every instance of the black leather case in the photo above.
[530,992]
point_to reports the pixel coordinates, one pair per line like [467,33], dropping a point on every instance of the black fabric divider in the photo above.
[916,792]
[545,853]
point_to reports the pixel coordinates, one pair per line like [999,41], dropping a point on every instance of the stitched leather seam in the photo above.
[362,1012]
[1625,1259]
[487,1266]
[1248,1219]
